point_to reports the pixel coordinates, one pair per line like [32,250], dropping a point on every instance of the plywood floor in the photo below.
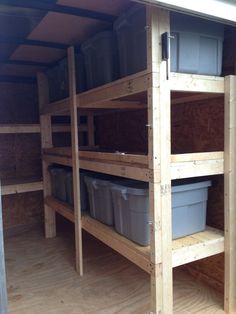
[41,279]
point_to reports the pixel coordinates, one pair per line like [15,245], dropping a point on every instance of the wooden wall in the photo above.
[20,154]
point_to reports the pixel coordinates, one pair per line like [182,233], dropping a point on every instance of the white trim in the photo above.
[220,10]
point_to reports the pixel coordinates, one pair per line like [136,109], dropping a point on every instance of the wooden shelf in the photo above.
[21,185]
[35,128]
[112,95]
[184,250]
[136,166]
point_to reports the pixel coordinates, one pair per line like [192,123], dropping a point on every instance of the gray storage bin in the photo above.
[58,182]
[197,45]
[131,209]
[189,204]
[58,78]
[131,38]
[100,53]
[195,48]
[100,201]
[83,191]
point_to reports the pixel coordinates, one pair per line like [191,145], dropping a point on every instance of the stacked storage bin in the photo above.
[196,46]
[100,53]
[58,78]
[125,204]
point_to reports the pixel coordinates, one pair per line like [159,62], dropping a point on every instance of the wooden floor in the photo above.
[41,279]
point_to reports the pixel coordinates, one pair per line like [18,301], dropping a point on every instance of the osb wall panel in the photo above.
[18,103]
[22,209]
[20,154]
[123,131]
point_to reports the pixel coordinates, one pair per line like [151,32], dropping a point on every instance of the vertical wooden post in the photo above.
[91,141]
[230,194]
[75,160]
[46,142]
[3,288]
[159,165]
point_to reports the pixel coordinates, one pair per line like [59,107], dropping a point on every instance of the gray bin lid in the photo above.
[131,187]
[190,186]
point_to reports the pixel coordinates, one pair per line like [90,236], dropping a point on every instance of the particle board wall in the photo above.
[20,154]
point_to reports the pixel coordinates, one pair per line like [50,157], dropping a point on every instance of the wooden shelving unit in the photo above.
[158,168]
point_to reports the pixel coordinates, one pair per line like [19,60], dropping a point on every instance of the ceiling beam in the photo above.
[30,42]
[25,62]
[17,79]
[51,7]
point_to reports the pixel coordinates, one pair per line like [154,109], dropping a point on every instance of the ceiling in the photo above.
[35,34]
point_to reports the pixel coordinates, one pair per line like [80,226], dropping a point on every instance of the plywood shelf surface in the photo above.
[184,250]
[110,96]
[21,185]
[136,166]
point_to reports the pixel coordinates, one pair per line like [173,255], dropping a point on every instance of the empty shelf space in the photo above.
[21,185]
[185,250]
[136,166]
[110,96]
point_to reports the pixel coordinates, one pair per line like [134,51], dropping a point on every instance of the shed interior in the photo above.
[41,274]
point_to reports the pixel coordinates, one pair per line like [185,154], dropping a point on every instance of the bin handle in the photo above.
[94,184]
[124,194]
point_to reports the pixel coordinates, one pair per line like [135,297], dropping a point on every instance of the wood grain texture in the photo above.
[43,268]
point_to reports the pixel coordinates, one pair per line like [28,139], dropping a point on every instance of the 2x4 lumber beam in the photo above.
[159,155]
[230,194]
[22,187]
[52,7]
[75,160]
[46,142]
[196,83]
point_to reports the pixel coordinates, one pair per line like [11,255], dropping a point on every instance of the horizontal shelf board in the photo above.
[185,250]
[197,246]
[21,185]
[109,95]
[35,128]
[196,83]
[136,166]
[61,208]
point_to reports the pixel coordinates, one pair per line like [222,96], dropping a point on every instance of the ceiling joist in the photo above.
[51,7]
[30,42]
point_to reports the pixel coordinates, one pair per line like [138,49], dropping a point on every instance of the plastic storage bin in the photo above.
[197,45]
[131,38]
[58,78]
[131,209]
[100,199]
[83,191]
[195,48]
[189,204]
[58,182]
[100,53]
